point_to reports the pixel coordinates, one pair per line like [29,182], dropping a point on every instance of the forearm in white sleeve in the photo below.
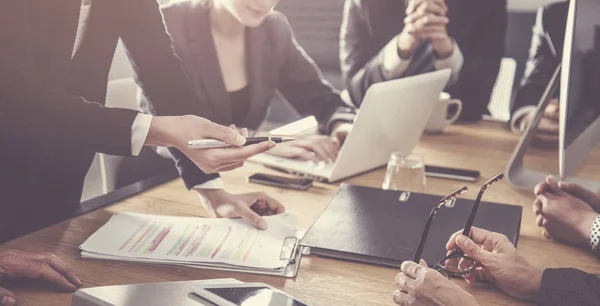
[212,184]
[139,132]
[393,65]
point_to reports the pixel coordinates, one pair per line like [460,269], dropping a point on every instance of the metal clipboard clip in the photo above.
[289,249]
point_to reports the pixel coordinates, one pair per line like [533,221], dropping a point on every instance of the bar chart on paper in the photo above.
[197,240]
[189,241]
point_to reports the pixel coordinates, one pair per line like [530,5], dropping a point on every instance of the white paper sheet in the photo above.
[190,241]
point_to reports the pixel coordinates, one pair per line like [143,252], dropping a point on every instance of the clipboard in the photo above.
[285,263]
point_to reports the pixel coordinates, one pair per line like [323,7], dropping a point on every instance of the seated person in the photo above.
[383,40]
[501,265]
[238,54]
[545,54]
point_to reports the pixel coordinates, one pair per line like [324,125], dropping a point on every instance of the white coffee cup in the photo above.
[440,118]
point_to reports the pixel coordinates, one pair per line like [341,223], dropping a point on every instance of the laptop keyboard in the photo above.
[316,171]
[316,165]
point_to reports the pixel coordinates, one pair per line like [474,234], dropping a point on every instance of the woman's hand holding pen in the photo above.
[176,131]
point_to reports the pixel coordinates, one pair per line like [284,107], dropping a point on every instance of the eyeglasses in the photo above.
[456,263]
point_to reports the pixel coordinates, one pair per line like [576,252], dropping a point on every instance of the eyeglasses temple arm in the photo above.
[467,229]
[421,245]
[442,202]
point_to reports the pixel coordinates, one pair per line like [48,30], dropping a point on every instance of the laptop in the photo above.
[391,118]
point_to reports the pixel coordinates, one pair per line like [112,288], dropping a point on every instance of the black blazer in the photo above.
[569,287]
[478,27]
[545,53]
[275,63]
[49,129]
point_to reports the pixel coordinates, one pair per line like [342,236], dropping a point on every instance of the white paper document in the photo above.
[191,241]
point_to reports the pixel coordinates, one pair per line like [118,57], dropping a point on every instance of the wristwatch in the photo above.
[595,236]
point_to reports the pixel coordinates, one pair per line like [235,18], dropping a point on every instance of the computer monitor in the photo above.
[580,99]
[579,80]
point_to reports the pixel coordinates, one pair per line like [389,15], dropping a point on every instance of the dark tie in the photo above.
[423,60]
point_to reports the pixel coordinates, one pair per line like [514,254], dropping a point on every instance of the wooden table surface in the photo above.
[484,146]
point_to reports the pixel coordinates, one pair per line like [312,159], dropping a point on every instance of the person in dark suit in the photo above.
[501,265]
[545,54]
[50,128]
[388,39]
[238,55]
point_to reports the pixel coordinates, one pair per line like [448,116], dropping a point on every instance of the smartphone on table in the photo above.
[452,173]
[281,181]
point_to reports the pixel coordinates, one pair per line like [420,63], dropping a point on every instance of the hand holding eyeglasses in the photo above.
[498,263]
[474,254]
[468,264]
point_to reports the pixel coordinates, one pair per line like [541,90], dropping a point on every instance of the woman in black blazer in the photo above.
[238,55]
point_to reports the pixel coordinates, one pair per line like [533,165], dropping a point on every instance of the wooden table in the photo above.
[484,146]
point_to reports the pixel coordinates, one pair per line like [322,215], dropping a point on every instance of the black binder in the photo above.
[384,227]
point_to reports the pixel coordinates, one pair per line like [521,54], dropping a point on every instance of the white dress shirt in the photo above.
[394,66]
[139,132]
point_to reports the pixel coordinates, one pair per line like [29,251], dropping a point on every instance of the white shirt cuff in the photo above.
[139,132]
[212,184]
[518,115]
[454,62]
[393,65]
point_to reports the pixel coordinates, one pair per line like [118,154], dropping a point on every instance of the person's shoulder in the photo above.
[275,18]
[175,14]
[177,7]
[277,24]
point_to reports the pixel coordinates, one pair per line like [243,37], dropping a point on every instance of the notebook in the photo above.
[384,227]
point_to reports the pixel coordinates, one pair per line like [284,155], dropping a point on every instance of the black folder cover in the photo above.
[372,225]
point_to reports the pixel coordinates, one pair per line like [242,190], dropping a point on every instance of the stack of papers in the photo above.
[223,244]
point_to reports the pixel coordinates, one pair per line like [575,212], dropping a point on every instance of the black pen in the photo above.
[214,144]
